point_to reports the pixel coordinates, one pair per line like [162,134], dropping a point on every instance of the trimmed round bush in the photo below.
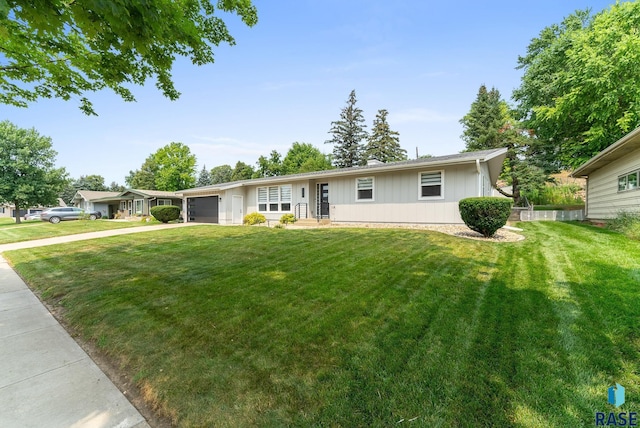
[165,213]
[485,215]
[288,218]
[254,218]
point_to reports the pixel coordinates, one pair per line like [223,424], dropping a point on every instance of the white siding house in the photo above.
[613,179]
[421,191]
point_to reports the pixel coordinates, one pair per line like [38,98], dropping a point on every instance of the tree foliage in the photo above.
[383,143]
[348,135]
[85,182]
[169,169]
[204,178]
[580,91]
[28,176]
[221,174]
[242,171]
[65,49]
[304,157]
[490,124]
[269,167]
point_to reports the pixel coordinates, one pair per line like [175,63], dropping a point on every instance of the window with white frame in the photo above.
[164,202]
[431,185]
[628,181]
[364,189]
[274,198]
[123,205]
[137,206]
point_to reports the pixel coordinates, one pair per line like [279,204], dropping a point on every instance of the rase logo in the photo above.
[621,419]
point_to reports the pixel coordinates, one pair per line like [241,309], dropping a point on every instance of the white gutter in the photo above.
[479,177]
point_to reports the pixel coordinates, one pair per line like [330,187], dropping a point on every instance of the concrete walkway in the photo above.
[46,379]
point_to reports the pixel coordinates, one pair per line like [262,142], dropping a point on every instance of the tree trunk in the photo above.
[17,213]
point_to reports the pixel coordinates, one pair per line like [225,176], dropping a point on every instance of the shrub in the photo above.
[627,223]
[254,218]
[165,213]
[485,215]
[288,218]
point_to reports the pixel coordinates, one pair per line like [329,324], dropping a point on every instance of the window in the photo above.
[138,203]
[164,202]
[123,205]
[430,185]
[628,181]
[364,189]
[274,198]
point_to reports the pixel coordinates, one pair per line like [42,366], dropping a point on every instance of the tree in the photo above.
[171,168]
[115,187]
[580,90]
[204,179]
[269,167]
[176,167]
[348,134]
[242,171]
[221,174]
[489,125]
[145,177]
[28,176]
[85,182]
[383,143]
[67,48]
[304,157]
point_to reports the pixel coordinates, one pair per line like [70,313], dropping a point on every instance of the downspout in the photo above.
[479,177]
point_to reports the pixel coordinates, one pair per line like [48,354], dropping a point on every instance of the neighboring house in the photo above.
[5,210]
[9,210]
[131,202]
[613,179]
[411,192]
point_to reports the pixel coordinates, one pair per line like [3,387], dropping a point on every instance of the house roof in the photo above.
[91,195]
[620,148]
[494,156]
[98,196]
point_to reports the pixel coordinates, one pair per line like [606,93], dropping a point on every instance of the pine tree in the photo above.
[484,122]
[204,179]
[384,144]
[348,134]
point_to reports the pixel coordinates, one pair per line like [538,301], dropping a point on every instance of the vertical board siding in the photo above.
[603,199]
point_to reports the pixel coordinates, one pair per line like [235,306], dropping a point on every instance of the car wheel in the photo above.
[92,217]
[54,220]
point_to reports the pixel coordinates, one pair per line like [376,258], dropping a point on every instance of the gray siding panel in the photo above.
[603,199]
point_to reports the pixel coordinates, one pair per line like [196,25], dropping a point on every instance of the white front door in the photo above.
[236,209]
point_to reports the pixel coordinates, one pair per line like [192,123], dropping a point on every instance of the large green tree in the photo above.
[304,157]
[170,168]
[65,49]
[221,174]
[28,176]
[269,166]
[242,171]
[580,90]
[383,143]
[348,135]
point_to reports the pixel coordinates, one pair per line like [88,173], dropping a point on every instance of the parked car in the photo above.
[32,216]
[57,214]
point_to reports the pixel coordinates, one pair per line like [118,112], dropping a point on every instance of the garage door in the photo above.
[203,210]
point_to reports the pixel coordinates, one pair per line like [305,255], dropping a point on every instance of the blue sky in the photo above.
[289,76]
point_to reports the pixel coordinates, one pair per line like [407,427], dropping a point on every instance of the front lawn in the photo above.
[30,230]
[243,326]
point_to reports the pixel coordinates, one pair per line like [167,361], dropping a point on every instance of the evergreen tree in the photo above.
[383,143]
[242,171]
[348,134]
[204,179]
[489,125]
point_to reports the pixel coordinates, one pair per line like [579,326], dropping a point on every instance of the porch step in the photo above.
[312,222]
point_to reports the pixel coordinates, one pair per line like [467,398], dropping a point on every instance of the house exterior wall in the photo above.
[395,196]
[604,201]
[5,211]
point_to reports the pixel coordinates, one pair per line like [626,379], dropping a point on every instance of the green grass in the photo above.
[626,222]
[241,326]
[30,230]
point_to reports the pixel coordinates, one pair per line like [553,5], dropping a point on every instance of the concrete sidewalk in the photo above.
[46,379]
